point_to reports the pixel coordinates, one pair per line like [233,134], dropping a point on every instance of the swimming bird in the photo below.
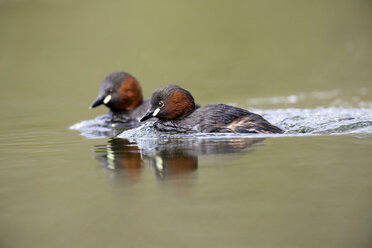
[175,109]
[122,94]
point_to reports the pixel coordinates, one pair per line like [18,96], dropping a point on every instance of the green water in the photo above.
[59,189]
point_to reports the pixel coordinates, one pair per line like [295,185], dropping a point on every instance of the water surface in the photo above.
[303,66]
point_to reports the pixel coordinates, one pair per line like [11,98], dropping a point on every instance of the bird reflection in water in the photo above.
[121,159]
[169,158]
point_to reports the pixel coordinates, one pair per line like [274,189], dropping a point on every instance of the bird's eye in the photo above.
[110,90]
[160,104]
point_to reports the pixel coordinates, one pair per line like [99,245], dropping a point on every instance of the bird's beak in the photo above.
[100,100]
[147,116]
[150,113]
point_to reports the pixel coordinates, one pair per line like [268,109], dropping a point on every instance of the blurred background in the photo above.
[55,53]
[290,192]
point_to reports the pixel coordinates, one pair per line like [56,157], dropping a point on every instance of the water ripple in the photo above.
[321,120]
[295,121]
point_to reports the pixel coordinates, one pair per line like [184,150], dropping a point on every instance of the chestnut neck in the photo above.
[130,94]
[179,105]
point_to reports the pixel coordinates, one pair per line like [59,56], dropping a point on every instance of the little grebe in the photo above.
[175,109]
[122,94]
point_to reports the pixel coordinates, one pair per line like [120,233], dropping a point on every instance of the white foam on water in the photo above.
[325,121]
[351,115]
[100,127]
[318,121]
